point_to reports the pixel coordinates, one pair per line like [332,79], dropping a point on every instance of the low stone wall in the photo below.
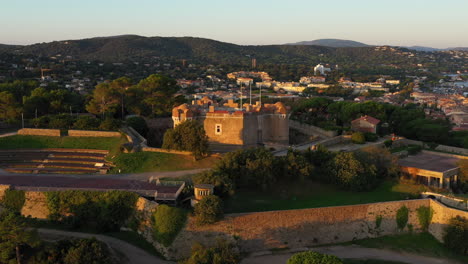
[39,132]
[461,204]
[404,142]
[333,141]
[91,133]
[441,217]
[312,130]
[150,149]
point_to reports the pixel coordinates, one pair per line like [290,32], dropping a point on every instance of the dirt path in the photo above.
[353,252]
[133,254]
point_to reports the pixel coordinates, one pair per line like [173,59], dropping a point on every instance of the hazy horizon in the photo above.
[399,23]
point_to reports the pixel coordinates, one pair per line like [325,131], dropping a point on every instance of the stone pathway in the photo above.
[352,252]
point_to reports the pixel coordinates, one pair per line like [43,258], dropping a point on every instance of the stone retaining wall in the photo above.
[91,133]
[461,204]
[404,142]
[312,130]
[39,132]
[441,217]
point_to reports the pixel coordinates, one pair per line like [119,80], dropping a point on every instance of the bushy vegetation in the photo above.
[187,136]
[65,121]
[102,211]
[13,200]
[425,214]
[222,253]
[139,124]
[15,237]
[208,210]
[408,121]
[456,235]
[402,216]
[258,169]
[311,257]
[358,138]
[167,222]
[86,250]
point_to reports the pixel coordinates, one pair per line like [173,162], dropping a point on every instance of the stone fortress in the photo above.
[230,127]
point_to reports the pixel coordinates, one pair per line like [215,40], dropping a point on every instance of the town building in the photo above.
[230,127]
[431,169]
[365,124]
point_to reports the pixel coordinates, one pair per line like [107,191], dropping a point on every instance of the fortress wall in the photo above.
[39,132]
[441,217]
[276,129]
[312,130]
[298,228]
[91,133]
[232,129]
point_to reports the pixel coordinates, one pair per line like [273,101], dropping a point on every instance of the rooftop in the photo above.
[430,162]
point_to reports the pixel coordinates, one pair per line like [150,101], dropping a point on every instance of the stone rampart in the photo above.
[441,217]
[91,133]
[312,130]
[3,188]
[461,204]
[39,132]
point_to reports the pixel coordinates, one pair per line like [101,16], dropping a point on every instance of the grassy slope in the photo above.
[36,142]
[155,161]
[311,194]
[421,244]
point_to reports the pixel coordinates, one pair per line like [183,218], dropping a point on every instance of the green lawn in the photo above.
[37,142]
[421,244]
[157,161]
[311,194]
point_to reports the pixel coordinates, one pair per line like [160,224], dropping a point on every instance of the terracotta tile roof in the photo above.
[369,119]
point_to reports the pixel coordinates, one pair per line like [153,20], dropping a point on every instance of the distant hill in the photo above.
[335,43]
[127,48]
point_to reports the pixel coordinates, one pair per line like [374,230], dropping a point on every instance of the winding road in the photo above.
[353,252]
[133,255]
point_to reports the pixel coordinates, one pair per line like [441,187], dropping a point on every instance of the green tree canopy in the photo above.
[188,136]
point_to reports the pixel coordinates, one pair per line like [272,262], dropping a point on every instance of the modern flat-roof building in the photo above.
[431,169]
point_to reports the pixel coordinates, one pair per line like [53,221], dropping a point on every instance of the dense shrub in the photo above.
[13,200]
[139,124]
[350,174]
[388,143]
[41,122]
[456,235]
[378,221]
[402,217]
[168,221]
[425,214]
[188,136]
[87,251]
[222,253]
[358,138]
[371,137]
[62,121]
[311,257]
[104,211]
[86,123]
[209,210]
[110,124]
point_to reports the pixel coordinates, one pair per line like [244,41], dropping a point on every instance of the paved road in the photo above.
[134,255]
[353,252]
[146,176]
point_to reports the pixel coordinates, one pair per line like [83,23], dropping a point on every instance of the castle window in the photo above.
[218,129]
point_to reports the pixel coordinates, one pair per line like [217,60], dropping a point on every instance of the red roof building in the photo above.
[365,124]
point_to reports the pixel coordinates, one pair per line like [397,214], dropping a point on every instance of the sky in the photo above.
[439,24]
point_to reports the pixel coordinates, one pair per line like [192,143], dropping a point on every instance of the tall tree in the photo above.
[14,234]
